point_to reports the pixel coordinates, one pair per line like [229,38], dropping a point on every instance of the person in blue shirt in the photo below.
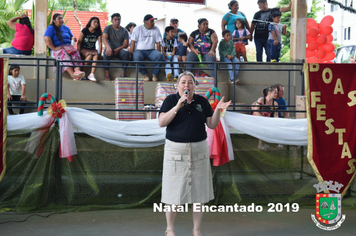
[282,103]
[58,38]
[174,23]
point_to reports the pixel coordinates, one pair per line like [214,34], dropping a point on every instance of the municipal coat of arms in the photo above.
[328,206]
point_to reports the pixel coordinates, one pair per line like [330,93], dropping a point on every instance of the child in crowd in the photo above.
[169,49]
[87,41]
[240,37]
[182,47]
[16,88]
[227,54]
[275,36]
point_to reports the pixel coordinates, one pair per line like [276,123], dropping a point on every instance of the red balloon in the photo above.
[313,45]
[311,59]
[314,31]
[326,21]
[311,23]
[330,38]
[322,39]
[329,56]
[326,30]
[328,47]
[310,38]
[309,53]
[320,54]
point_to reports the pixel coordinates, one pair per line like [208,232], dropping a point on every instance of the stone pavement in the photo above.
[145,222]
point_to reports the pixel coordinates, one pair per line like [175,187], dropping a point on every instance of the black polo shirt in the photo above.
[189,123]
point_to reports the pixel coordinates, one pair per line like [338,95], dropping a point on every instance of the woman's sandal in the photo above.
[108,78]
[169,231]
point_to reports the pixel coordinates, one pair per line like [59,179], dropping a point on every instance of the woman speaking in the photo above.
[186,167]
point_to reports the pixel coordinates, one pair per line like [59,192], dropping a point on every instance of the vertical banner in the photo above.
[3,113]
[331,110]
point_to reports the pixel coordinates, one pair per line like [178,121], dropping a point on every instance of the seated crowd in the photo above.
[144,42]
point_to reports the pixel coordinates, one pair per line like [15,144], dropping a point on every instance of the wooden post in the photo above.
[41,12]
[298,31]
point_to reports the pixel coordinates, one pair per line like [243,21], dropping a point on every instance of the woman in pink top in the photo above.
[23,41]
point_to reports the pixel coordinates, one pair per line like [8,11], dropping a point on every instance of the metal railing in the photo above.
[135,65]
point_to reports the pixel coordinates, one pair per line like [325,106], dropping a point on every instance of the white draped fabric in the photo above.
[147,133]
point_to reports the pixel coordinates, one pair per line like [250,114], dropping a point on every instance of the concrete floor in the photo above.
[147,223]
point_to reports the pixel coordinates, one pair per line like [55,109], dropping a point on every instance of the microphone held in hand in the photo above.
[186,92]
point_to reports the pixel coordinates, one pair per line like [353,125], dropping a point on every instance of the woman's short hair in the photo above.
[189,74]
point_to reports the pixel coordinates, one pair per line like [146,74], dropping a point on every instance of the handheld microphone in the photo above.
[186,92]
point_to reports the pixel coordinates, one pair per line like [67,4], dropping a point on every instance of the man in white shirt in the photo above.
[145,38]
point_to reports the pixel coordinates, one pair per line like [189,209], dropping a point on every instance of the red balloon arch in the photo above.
[320,48]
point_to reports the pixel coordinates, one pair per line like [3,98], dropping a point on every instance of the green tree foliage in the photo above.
[83,5]
[8,10]
[286,20]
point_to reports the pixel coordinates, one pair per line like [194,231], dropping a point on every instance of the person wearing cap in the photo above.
[116,41]
[145,38]
[174,23]
[260,23]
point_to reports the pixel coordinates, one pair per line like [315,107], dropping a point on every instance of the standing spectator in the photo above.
[24,36]
[182,51]
[275,36]
[229,19]
[58,38]
[144,39]
[202,43]
[260,24]
[186,176]
[16,88]
[240,36]
[227,54]
[174,23]
[169,49]
[86,44]
[116,41]
[281,101]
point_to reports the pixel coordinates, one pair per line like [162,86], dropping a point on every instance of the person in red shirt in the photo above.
[24,36]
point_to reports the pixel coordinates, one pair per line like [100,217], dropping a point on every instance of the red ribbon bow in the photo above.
[57,110]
